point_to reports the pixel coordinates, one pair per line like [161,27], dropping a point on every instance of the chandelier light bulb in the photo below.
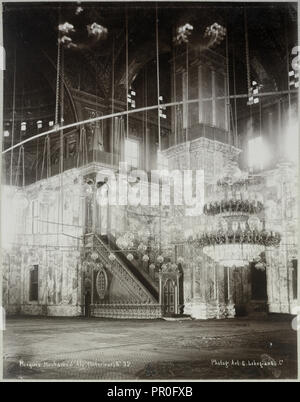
[235,226]
[94,256]
[130,257]
[160,259]
[111,257]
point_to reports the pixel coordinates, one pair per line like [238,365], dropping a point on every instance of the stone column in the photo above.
[92,285]
[147,146]
[227,104]
[185,116]
[202,307]
[176,298]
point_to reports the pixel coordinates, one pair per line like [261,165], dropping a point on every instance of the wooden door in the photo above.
[169,297]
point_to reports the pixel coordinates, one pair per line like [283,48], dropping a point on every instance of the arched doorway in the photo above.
[258,283]
[258,304]
[87,290]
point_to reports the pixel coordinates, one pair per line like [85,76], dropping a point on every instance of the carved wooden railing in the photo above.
[135,265]
[132,280]
[128,311]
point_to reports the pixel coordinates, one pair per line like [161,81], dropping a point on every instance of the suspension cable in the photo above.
[37,159]
[57,81]
[228,109]
[247,52]
[61,90]
[235,100]
[44,156]
[23,166]
[57,86]
[260,119]
[287,67]
[187,91]
[127,73]
[143,123]
[248,67]
[13,116]
[174,89]
[146,116]
[18,167]
[61,68]
[113,100]
[48,165]
[124,113]
[157,75]
[85,148]
[79,146]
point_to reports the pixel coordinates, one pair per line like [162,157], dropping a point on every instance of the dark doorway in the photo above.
[181,289]
[87,304]
[258,283]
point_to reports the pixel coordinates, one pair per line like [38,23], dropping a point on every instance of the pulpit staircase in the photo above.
[143,294]
[135,267]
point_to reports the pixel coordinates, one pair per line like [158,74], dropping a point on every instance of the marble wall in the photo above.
[209,290]
[59,283]
[50,235]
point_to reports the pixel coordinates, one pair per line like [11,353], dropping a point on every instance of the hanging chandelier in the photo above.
[236,235]
[134,247]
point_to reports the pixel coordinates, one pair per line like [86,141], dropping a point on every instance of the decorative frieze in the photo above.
[205,144]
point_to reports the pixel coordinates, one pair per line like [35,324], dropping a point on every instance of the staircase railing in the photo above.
[145,287]
[135,265]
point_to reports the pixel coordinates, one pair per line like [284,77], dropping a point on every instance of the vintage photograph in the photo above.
[149,191]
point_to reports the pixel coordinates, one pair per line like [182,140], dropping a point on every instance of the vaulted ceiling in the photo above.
[30,36]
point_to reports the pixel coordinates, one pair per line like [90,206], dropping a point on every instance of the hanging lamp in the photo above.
[235,234]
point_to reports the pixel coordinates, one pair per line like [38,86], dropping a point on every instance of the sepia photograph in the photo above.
[149,193]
